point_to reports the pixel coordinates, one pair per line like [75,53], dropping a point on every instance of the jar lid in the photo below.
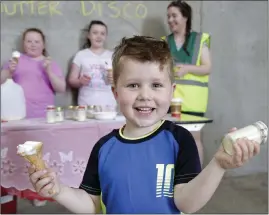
[263,129]
[50,108]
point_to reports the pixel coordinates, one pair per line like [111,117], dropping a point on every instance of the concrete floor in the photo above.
[238,195]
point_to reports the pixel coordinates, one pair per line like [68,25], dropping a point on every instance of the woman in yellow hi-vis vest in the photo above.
[192,60]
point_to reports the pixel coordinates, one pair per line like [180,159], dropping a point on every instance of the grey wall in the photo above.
[239,80]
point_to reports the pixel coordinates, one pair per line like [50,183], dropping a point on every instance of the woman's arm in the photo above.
[58,83]
[203,69]
[55,75]
[5,74]
[8,69]
[73,78]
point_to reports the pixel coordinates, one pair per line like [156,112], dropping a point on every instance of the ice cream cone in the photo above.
[16,59]
[36,160]
[35,157]
[15,56]
[110,76]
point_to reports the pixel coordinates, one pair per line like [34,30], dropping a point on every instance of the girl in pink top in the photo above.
[37,74]
[40,78]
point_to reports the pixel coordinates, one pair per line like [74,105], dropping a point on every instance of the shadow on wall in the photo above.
[18,44]
[154,27]
[83,37]
[74,91]
[81,42]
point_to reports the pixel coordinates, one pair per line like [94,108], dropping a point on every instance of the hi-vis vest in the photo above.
[193,89]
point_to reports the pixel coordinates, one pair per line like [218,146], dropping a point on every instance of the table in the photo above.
[194,124]
[67,146]
[190,122]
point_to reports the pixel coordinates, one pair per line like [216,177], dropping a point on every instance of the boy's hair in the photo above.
[142,49]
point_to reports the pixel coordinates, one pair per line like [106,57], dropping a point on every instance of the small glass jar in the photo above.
[90,111]
[81,113]
[257,132]
[97,108]
[75,113]
[69,112]
[51,114]
[59,114]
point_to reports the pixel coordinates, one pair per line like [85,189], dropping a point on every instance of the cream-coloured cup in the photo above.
[175,107]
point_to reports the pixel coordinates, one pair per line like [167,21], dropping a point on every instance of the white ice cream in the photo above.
[16,54]
[28,148]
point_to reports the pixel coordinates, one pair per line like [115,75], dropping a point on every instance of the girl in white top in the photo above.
[89,71]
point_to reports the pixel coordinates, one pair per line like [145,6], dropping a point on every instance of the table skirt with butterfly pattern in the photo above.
[67,146]
[66,149]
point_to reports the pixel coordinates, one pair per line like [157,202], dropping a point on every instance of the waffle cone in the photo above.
[16,59]
[36,159]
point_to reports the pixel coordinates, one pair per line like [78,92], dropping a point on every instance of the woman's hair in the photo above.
[186,12]
[93,22]
[37,30]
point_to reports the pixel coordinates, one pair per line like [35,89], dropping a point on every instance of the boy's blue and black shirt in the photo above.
[138,175]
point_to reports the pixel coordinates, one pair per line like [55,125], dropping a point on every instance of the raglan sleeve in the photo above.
[188,164]
[90,182]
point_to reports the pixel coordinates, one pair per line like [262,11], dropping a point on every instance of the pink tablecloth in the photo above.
[67,147]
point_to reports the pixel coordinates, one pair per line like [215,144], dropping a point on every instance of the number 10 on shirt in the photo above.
[165,182]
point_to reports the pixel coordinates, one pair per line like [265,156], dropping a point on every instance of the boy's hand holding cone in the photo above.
[32,152]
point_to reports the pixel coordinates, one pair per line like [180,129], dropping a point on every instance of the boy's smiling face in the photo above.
[143,92]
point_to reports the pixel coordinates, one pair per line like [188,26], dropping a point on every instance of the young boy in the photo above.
[150,165]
